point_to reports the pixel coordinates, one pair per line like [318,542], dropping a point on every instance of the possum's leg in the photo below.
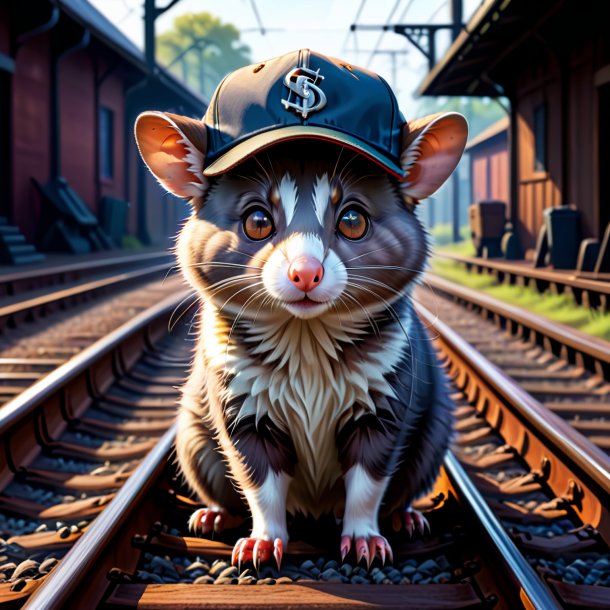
[363,446]
[204,470]
[261,459]
[363,494]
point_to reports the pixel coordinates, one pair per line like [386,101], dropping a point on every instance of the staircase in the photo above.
[13,247]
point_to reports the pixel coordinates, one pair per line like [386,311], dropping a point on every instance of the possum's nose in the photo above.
[305,273]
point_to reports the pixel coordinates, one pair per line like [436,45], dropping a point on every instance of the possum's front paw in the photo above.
[367,547]
[257,550]
[412,520]
[204,520]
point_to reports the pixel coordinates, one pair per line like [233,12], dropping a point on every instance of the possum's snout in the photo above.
[306,273]
[303,276]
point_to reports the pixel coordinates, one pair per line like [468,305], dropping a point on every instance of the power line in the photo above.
[358,13]
[442,5]
[381,35]
[403,14]
[258,17]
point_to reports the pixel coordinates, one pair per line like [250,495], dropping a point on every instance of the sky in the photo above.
[322,25]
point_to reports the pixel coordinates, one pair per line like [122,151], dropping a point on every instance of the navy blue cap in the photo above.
[302,94]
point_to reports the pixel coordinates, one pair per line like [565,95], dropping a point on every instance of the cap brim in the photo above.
[258,142]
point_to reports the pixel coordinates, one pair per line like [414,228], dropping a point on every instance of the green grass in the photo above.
[441,235]
[559,308]
[129,242]
[463,248]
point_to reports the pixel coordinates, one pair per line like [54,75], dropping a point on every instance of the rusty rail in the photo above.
[17,282]
[43,390]
[546,441]
[35,419]
[80,560]
[593,291]
[22,305]
[534,593]
[574,346]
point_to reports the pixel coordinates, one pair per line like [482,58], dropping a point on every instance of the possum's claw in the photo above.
[205,520]
[415,521]
[362,551]
[346,545]
[278,552]
[379,545]
[257,550]
[367,548]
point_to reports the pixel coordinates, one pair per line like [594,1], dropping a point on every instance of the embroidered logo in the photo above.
[305,95]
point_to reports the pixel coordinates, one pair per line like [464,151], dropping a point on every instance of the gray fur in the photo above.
[412,428]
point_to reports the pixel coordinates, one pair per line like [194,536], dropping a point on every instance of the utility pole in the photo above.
[456,18]
[423,37]
[151,12]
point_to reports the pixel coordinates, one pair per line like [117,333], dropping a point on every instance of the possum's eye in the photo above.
[353,223]
[258,224]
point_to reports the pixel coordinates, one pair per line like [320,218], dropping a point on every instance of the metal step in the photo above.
[8,229]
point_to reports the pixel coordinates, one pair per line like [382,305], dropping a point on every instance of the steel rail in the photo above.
[23,304]
[32,397]
[531,273]
[97,264]
[578,341]
[63,581]
[536,593]
[590,461]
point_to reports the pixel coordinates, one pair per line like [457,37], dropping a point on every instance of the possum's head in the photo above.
[305,228]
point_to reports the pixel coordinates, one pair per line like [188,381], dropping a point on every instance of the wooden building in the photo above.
[71,86]
[551,59]
[488,153]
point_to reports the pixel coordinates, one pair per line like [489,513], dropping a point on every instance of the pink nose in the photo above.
[306,273]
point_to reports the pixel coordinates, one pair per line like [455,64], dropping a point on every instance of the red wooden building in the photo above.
[70,87]
[488,152]
[551,59]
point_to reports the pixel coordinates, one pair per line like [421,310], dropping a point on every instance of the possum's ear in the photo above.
[431,149]
[173,147]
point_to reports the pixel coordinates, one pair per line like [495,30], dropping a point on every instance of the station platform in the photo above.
[63,268]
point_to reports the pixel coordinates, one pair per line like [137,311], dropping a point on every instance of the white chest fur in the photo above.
[309,377]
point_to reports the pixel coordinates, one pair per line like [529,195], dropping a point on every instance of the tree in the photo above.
[202,50]
[480,112]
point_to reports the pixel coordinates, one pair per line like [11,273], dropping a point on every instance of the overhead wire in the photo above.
[382,33]
[257,17]
[350,32]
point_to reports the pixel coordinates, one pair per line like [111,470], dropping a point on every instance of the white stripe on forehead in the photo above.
[304,244]
[321,195]
[288,196]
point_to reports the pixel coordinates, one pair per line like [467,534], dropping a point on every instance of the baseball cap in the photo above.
[302,94]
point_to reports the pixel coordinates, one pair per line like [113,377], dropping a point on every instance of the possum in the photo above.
[314,386]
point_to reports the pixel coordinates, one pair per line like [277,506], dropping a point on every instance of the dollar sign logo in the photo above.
[305,95]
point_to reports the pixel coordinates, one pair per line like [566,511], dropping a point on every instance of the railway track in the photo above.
[13,283]
[519,516]
[547,484]
[40,331]
[562,368]
[73,438]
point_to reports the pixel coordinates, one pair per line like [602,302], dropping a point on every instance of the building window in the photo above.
[106,138]
[540,138]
